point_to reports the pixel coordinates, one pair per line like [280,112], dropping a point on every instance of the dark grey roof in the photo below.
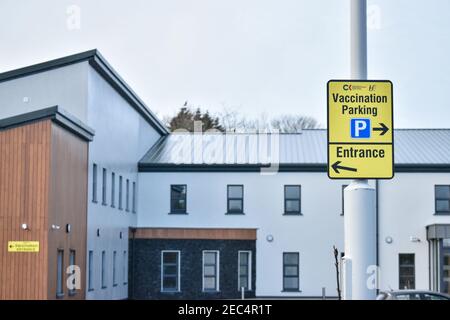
[99,63]
[57,115]
[424,149]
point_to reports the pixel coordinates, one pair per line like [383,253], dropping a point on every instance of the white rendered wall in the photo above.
[406,207]
[312,235]
[65,87]
[122,137]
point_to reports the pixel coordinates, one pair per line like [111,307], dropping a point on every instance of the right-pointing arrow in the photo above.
[383,129]
[336,167]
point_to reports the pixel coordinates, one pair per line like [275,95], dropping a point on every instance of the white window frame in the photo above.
[249,284]
[217,270]
[178,252]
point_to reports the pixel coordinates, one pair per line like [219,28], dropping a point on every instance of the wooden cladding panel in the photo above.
[68,205]
[194,233]
[24,186]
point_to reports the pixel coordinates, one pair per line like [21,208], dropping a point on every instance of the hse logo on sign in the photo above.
[360,130]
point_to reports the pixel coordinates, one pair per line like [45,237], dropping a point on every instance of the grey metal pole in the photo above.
[359,196]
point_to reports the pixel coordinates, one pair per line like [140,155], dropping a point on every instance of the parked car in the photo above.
[412,295]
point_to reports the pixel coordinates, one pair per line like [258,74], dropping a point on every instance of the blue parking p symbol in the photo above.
[360,128]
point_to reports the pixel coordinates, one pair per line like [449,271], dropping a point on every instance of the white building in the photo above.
[200,216]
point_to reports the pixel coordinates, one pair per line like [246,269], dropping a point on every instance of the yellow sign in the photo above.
[23,246]
[360,129]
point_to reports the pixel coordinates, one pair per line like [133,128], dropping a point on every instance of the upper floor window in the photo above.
[235,199]
[113,189]
[120,193]
[292,196]
[133,200]
[127,199]
[178,198]
[104,186]
[442,199]
[94,182]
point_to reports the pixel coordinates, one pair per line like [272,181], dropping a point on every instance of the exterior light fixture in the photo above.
[269,238]
[388,240]
[24,226]
[55,227]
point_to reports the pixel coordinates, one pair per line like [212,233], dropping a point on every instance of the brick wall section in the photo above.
[145,268]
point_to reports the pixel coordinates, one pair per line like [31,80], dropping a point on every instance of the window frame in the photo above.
[235,199]
[216,274]
[249,269]
[59,273]
[127,199]
[290,276]
[90,270]
[94,182]
[120,192]
[436,199]
[125,267]
[104,275]
[178,276]
[114,268]
[172,209]
[72,253]
[400,266]
[133,198]
[104,186]
[113,189]
[299,199]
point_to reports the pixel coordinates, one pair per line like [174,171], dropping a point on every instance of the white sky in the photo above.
[255,55]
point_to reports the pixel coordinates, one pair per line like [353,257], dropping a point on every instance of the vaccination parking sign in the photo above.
[360,129]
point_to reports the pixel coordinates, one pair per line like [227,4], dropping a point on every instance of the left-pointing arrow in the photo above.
[336,167]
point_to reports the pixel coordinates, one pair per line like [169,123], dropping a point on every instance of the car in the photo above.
[412,295]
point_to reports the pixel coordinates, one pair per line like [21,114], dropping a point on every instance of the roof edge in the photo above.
[57,115]
[100,64]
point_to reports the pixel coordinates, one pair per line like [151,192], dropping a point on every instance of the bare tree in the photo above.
[293,123]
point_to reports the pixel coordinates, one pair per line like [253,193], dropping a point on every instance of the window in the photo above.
[104,187]
[94,183]
[124,269]
[91,270]
[235,199]
[114,268]
[178,198]
[72,290]
[245,270]
[127,200]
[290,271]
[170,271]
[442,199]
[406,271]
[120,193]
[343,188]
[292,199]
[113,190]
[210,270]
[103,269]
[133,201]
[59,274]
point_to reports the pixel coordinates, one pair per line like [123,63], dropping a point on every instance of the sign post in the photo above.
[360,147]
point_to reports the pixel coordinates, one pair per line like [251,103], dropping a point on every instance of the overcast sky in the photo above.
[255,55]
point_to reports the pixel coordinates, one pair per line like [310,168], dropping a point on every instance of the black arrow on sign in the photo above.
[336,167]
[383,129]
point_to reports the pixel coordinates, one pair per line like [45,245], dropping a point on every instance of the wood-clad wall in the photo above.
[24,191]
[43,181]
[194,233]
[68,205]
